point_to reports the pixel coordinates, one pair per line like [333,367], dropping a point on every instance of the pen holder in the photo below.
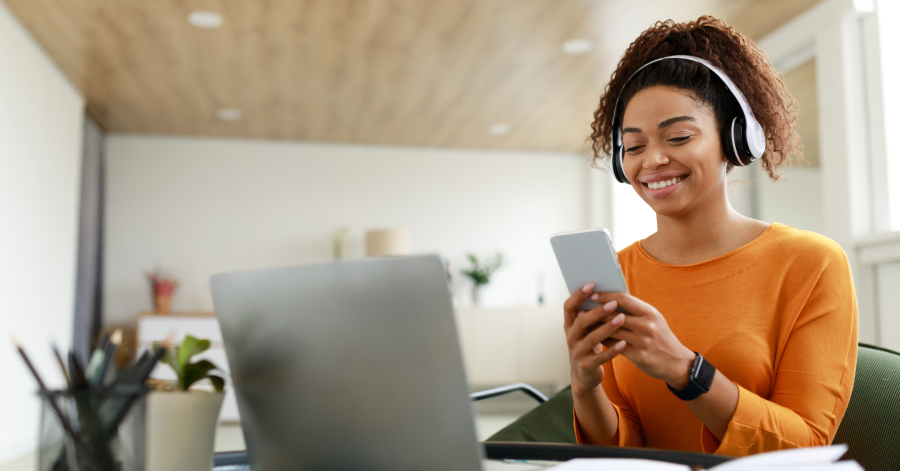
[104,429]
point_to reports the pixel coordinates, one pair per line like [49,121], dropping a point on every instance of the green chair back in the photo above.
[869,428]
[870,425]
[552,421]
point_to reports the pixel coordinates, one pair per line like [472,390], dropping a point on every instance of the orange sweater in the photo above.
[777,316]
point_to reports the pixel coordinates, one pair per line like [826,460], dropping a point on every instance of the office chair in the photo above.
[550,422]
[869,427]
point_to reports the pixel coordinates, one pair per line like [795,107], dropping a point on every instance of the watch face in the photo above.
[702,374]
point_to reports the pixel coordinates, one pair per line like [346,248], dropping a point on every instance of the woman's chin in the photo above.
[668,207]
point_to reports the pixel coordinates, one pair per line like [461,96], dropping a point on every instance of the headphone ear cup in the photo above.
[740,140]
[735,144]
[727,141]
[616,154]
[617,159]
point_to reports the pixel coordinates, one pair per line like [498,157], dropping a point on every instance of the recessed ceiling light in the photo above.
[229,114]
[205,19]
[578,46]
[499,128]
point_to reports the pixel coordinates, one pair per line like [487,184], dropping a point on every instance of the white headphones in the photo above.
[743,139]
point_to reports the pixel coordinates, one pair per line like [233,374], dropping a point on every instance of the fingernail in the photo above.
[596,297]
[588,287]
[580,313]
[609,306]
[618,320]
[620,346]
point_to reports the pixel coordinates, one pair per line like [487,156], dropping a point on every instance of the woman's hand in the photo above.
[583,338]
[650,344]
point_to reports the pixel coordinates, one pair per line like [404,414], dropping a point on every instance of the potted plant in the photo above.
[163,287]
[480,273]
[182,416]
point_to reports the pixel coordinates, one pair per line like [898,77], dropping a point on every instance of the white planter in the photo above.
[478,294]
[181,429]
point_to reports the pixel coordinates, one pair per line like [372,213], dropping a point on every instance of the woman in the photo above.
[741,336]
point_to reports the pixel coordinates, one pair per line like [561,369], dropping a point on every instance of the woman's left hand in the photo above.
[650,344]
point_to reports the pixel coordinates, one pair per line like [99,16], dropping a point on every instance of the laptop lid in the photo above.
[349,365]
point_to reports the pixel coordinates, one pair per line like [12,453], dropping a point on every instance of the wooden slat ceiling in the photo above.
[399,72]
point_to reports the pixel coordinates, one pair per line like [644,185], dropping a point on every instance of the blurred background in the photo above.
[188,138]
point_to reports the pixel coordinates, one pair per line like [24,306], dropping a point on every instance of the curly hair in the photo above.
[740,58]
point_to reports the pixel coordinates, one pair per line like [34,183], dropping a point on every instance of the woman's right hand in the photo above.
[586,362]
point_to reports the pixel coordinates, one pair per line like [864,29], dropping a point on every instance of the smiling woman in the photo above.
[741,335]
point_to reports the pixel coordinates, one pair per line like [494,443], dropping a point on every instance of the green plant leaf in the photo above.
[190,347]
[218,382]
[480,273]
[196,372]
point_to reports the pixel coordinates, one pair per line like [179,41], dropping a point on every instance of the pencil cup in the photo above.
[98,429]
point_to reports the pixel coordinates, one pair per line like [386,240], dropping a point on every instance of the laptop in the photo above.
[348,365]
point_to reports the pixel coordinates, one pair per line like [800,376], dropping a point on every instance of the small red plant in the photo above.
[162,284]
[163,287]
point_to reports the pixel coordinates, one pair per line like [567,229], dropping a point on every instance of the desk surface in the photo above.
[237,460]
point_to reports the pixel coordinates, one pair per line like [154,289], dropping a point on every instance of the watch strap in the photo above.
[700,378]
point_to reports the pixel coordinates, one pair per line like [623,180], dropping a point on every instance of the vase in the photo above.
[181,429]
[478,295]
[162,303]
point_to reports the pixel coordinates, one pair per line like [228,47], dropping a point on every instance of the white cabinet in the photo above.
[514,344]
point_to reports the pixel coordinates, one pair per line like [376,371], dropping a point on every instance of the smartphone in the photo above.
[588,256]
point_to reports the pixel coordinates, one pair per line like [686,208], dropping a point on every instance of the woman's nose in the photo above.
[654,158]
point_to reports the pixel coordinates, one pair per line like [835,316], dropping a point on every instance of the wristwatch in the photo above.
[700,378]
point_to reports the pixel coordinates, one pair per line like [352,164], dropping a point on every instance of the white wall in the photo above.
[40,154]
[199,206]
[794,201]
[632,218]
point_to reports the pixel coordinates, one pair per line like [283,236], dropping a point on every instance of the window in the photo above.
[889,20]
[633,219]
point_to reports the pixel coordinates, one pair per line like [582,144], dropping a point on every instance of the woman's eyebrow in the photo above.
[664,124]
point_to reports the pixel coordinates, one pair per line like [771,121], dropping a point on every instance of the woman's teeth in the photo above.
[664,183]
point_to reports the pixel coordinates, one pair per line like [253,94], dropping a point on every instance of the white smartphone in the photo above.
[588,256]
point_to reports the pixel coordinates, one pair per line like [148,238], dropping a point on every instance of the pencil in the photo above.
[144,372]
[28,363]
[167,343]
[129,375]
[139,375]
[62,365]
[108,354]
[77,375]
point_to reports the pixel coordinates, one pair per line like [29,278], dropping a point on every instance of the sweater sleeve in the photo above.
[813,377]
[628,426]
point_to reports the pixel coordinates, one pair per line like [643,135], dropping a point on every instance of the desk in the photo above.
[237,460]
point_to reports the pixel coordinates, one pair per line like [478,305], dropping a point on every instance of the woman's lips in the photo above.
[665,191]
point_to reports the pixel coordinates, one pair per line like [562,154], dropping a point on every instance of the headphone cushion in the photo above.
[734,142]
[740,135]
[617,164]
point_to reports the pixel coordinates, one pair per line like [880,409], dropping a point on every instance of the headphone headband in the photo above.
[755,138]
